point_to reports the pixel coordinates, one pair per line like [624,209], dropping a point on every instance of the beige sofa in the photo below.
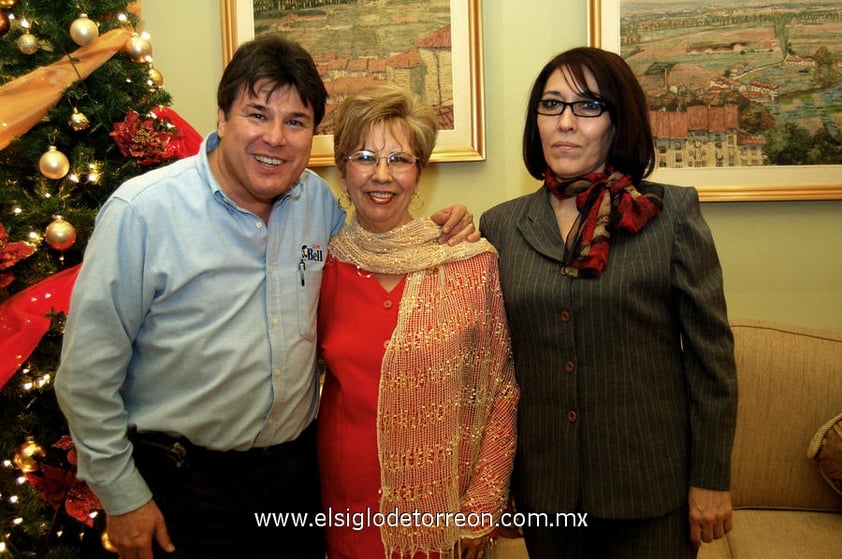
[790,382]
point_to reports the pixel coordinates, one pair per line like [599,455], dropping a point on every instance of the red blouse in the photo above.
[356,319]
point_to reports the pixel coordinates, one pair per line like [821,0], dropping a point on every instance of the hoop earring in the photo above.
[416,202]
[344,201]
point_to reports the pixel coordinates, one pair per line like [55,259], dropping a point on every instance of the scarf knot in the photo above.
[607,202]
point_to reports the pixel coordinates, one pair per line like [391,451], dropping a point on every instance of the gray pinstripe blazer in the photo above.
[628,382]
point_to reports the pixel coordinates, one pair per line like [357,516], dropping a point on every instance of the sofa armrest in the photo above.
[790,384]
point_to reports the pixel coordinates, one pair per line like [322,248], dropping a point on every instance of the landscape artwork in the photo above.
[356,43]
[432,48]
[738,83]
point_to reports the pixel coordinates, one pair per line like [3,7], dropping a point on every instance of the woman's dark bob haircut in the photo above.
[632,149]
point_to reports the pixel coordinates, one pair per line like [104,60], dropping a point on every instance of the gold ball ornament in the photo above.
[60,234]
[78,121]
[28,43]
[5,24]
[83,31]
[28,456]
[138,48]
[53,164]
[156,78]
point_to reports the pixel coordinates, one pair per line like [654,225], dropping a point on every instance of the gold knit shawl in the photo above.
[447,397]
[409,248]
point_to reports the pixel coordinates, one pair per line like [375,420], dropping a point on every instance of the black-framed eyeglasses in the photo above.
[366,160]
[587,109]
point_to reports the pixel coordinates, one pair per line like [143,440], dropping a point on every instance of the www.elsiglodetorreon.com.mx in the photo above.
[358,520]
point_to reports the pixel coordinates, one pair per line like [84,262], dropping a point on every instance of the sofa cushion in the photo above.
[826,449]
[790,383]
[779,534]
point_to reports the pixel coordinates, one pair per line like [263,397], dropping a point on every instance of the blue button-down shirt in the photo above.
[192,316]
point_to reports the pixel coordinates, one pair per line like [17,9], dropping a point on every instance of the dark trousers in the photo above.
[664,537]
[235,504]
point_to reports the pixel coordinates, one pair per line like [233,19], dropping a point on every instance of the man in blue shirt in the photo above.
[188,372]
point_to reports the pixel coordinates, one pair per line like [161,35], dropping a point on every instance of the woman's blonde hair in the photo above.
[387,103]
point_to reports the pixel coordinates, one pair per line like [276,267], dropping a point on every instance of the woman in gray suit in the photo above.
[623,351]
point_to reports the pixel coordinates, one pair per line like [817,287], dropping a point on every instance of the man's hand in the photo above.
[474,548]
[132,533]
[457,225]
[710,515]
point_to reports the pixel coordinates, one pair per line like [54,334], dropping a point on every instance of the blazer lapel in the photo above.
[539,227]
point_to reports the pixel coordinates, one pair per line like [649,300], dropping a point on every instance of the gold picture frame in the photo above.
[725,184]
[465,141]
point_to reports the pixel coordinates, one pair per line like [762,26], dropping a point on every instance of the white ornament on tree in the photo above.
[83,31]
[60,234]
[138,48]
[53,164]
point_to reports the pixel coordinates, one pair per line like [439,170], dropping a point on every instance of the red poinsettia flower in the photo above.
[56,480]
[149,141]
[11,254]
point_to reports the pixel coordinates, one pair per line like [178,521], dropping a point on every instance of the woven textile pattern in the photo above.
[447,402]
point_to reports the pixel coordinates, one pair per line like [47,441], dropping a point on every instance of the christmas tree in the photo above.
[81,110]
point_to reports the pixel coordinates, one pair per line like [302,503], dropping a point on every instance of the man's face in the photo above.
[265,143]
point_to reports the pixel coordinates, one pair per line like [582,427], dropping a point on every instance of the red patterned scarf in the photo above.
[607,202]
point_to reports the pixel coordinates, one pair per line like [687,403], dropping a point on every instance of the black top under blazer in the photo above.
[628,381]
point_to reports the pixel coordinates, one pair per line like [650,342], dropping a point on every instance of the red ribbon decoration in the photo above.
[190,139]
[24,320]
[23,316]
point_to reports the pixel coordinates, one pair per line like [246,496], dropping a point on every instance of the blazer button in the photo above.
[570,366]
[565,316]
[571,416]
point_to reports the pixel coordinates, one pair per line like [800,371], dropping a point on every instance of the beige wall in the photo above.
[782,260]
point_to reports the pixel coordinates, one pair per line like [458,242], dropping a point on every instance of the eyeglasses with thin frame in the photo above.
[587,109]
[367,161]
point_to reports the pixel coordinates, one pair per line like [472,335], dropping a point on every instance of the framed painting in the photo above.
[745,102]
[432,48]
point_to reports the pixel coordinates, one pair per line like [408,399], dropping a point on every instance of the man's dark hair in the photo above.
[283,63]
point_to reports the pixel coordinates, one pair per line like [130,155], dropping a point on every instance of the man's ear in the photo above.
[221,120]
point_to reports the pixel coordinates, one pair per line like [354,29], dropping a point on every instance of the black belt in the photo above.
[179,452]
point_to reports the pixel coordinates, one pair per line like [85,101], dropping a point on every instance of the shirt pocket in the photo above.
[309,285]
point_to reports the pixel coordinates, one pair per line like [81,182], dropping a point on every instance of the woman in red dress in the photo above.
[417,419]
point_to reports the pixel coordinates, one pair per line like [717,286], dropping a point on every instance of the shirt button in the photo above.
[571,416]
[570,366]
[387,304]
[565,316]
[258,224]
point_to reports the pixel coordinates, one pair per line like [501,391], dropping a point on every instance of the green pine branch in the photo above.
[29,526]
